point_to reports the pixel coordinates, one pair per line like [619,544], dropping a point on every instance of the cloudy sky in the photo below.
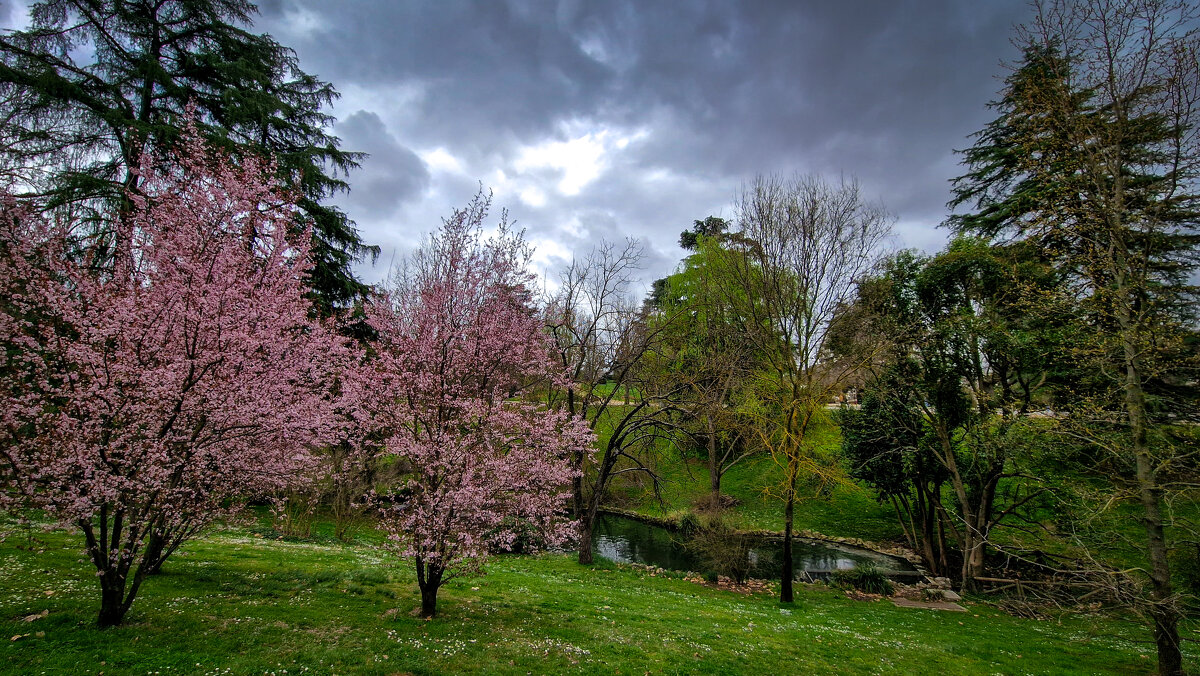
[632,118]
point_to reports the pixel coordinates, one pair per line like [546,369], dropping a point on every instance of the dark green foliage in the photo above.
[658,293]
[1185,566]
[879,440]
[712,228]
[689,523]
[963,359]
[1093,162]
[866,579]
[93,84]
[705,361]
[1076,176]
[1004,184]
[709,227]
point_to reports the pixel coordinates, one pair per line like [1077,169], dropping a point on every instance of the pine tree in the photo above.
[93,84]
[1095,158]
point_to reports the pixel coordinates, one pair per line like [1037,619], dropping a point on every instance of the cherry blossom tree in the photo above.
[154,390]
[459,344]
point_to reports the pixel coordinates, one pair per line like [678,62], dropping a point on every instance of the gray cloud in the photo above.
[390,175]
[678,104]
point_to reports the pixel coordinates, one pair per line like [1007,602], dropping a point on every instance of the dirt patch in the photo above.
[930,605]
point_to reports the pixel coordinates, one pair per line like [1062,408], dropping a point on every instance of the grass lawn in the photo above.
[237,603]
[851,511]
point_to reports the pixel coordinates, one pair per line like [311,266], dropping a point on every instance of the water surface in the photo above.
[627,540]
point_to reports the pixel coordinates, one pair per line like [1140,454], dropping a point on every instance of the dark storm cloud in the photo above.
[493,70]
[390,175]
[704,94]
[882,90]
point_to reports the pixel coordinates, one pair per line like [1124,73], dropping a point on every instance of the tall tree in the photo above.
[602,342]
[965,360]
[143,403]
[792,265]
[1095,156]
[458,345]
[705,350]
[91,85]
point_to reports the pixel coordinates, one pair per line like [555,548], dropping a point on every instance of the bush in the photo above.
[295,514]
[868,579]
[722,548]
[689,523]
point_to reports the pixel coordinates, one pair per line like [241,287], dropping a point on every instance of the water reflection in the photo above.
[628,541]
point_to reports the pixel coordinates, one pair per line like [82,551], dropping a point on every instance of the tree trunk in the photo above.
[429,579]
[967,570]
[970,543]
[586,525]
[577,458]
[972,557]
[714,468]
[585,543]
[112,600]
[428,601]
[927,516]
[152,556]
[928,549]
[577,485]
[1162,609]
[905,519]
[788,572]
[941,538]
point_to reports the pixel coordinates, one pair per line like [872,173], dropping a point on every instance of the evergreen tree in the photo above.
[93,84]
[711,226]
[1095,159]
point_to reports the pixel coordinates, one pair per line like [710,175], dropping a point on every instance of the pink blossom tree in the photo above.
[155,389]
[458,344]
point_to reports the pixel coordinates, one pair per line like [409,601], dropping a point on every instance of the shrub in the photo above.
[868,579]
[689,523]
[723,549]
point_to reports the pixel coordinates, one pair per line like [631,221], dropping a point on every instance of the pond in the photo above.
[627,540]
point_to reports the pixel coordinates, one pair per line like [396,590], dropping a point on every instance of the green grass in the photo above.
[605,389]
[234,603]
[851,510]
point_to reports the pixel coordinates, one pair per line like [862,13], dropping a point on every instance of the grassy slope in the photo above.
[851,511]
[233,603]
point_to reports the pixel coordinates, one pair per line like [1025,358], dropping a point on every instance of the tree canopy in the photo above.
[90,86]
